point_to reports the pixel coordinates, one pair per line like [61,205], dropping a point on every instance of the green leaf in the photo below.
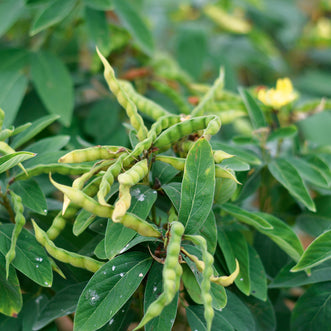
[198,186]
[173,190]
[282,235]
[82,222]
[257,275]
[109,288]
[51,143]
[246,217]
[235,164]
[63,303]
[240,152]
[36,127]
[234,246]
[31,194]
[9,12]
[309,171]
[254,111]
[286,278]
[11,297]
[13,86]
[316,253]
[263,313]
[196,320]
[31,258]
[313,309]
[54,85]
[163,172]
[11,160]
[118,236]
[98,29]
[153,289]
[99,4]
[237,314]
[281,133]
[191,49]
[53,13]
[209,232]
[130,18]
[289,177]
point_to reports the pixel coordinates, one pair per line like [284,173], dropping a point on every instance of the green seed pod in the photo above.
[57,226]
[6,133]
[176,162]
[122,97]
[173,95]
[203,105]
[144,105]
[108,179]
[76,260]
[84,201]
[225,173]
[206,275]
[211,124]
[172,272]
[19,224]
[63,169]
[93,154]
[224,190]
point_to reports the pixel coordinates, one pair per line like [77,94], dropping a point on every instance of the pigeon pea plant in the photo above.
[172,215]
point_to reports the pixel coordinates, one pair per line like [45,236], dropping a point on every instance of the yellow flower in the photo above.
[279,97]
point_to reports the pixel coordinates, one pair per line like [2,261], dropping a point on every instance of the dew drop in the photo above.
[141,197]
[122,274]
[111,321]
[113,268]
[37,266]
[104,272]
[141,275]
[135,192]
[45,211]
[241,279]
[154,288]
[39,259]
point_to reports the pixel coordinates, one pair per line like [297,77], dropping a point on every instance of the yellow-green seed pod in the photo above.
[224,190]
[63,255]
[227,280]
[93,154]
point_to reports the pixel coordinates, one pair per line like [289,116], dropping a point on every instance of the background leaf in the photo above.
[9,12]
[53,84]
[11,160]
[198,186]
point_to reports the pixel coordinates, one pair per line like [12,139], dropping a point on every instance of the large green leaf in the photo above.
[31,258]
[283,236]
[109,289]
[51,143]
[257,275]
[31,194]
[98,29]
[198,186]
[313,309]
[53,84]
[196,320]
[153,289]
[63,303]
[289,177]
[36,127]
[237,314]
[254,111]
[13,86]
[173,191]
[309,171]
[246,217]
[163,172]
[286,278]
[11,297]
[11,160]
[209,232]
[54,12]
[317,252]
[9,12]
[132,21]
[234,246]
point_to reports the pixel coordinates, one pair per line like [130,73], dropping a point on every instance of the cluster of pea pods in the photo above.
[89,191]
